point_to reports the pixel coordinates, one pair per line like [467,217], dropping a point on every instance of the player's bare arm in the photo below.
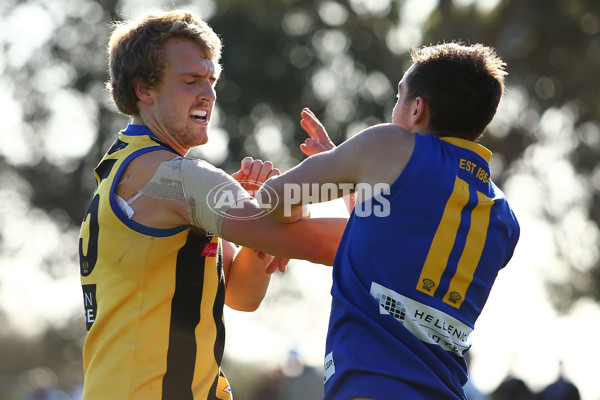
[247,276]
[148,211]
[248,271]
[374,147]
[312,239]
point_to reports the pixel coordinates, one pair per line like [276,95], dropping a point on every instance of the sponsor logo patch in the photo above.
[329,366]
[89,305]
[210,250]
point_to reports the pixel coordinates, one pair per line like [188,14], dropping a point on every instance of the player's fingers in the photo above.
[246,166]
[317,132]
[274,172]
[264,172]
[308,113]
[283,262]
[311,147]
[304,150]
[242,175]
[312,125]
[277,264]
[254,170]
[307,149]
[238,176]
[271,268]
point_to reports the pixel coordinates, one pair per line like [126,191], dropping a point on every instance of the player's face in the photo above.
[184,100]
[402,110]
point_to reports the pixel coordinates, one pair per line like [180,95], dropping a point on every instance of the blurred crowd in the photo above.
[42,384]
[513,388]
[294,380]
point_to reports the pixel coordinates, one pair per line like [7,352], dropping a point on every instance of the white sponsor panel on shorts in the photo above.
[329,366]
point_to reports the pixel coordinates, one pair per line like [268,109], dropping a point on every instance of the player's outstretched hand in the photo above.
[277,263]
[318,140]
[253,173]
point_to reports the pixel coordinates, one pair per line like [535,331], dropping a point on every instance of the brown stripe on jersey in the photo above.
[185,315]
[218,309]
[212,393]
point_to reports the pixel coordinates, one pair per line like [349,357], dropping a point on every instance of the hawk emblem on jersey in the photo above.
[210,250]
[453,297]
[223,389]
[428,284]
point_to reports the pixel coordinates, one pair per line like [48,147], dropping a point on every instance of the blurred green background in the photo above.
[343,59]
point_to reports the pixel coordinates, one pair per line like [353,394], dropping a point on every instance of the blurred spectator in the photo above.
[473,393]
[43,386]
[513,388]
[75,386]
[562,389]
[293,380]
[300,382]
[270,388]
[76,393]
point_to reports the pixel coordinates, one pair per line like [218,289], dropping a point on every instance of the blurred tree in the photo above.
[341,58]
[281,56]
[58,350]
[57,77]
[553,53]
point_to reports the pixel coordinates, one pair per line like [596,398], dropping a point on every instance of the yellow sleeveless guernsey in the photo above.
[153,298]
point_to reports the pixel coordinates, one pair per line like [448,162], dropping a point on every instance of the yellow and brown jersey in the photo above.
[153,298]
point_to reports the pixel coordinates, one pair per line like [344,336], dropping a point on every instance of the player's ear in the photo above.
[142,92]
[420,112]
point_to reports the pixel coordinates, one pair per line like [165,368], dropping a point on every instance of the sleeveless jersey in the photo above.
[413,271]
[153,298]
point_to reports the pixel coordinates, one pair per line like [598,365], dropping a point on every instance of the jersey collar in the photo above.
[137,130]
[470,145]
[143,130]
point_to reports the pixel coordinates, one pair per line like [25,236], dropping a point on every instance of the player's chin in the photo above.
[200,137]
[202,140]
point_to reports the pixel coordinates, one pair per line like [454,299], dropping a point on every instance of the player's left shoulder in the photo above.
[386,136]
[385,150]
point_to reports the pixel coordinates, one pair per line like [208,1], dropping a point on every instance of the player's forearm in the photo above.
[247,282]
[320,178]
[315,239]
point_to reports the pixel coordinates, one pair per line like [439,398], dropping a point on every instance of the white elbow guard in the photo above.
[208,191]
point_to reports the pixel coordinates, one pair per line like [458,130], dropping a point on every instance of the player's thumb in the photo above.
[311,147]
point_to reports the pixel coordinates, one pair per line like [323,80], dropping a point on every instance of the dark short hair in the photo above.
[135,51]
[462,84]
